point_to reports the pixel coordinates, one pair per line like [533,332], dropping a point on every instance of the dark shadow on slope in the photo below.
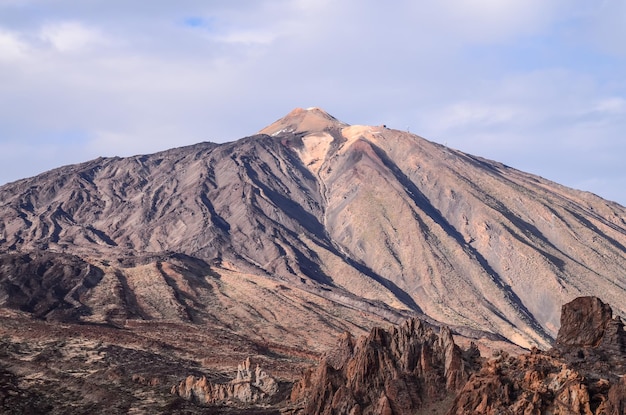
[527,229]
[557,262]
[398,292]
[215,218]
[313,226]
[102,235]
[131,303]
[424,204]
[196,266]
[495,168]
[310,268]
[48,285]
[288,206]
[594,228]
[179,295]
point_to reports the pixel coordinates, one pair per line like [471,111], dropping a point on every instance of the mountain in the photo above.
[273,245]
[361,213]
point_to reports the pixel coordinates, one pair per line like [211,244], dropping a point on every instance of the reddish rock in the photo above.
[581,375]
[591,339]
[394,371]
[584,322]
[616,399]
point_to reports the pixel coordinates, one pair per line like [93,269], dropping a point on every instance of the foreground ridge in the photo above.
[409,368]
[582,374]
[392,371]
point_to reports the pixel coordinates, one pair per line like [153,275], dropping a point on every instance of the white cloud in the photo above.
[11,47]
[466,114]
[71,36]
[247,37]
[610,106]
[490,21]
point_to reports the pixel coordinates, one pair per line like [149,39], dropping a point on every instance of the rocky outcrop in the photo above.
[249,387]
[583,374]
[590,337]
[411,368]
[392,371]
[531,384]
[584,323]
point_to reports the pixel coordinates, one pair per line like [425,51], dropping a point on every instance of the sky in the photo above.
[539,85]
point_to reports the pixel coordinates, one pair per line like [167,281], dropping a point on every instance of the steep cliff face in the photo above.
[393,371]
[357,214]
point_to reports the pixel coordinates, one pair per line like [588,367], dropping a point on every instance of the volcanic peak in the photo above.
[300,120]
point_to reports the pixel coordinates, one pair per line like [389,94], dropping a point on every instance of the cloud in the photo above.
[466,114]
[12,49]
[610,106]
[517,81]
[71,36]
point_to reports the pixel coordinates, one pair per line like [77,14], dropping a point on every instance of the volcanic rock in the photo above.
[249,387]
[273,245]
[592,339]
[583,374]
[584,323]
[49,285]
[408,369]
[394,371]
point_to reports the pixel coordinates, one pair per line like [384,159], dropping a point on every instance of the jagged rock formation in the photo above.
[411,369]
[591,339]
[583,374]
[393,371]
[249,387]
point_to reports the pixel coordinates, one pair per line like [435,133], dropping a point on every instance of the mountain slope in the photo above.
[370,218]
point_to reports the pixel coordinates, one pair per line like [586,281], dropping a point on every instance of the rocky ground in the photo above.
[63,368]
[57,368]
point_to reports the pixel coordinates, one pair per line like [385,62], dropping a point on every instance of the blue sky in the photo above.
[536,84]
